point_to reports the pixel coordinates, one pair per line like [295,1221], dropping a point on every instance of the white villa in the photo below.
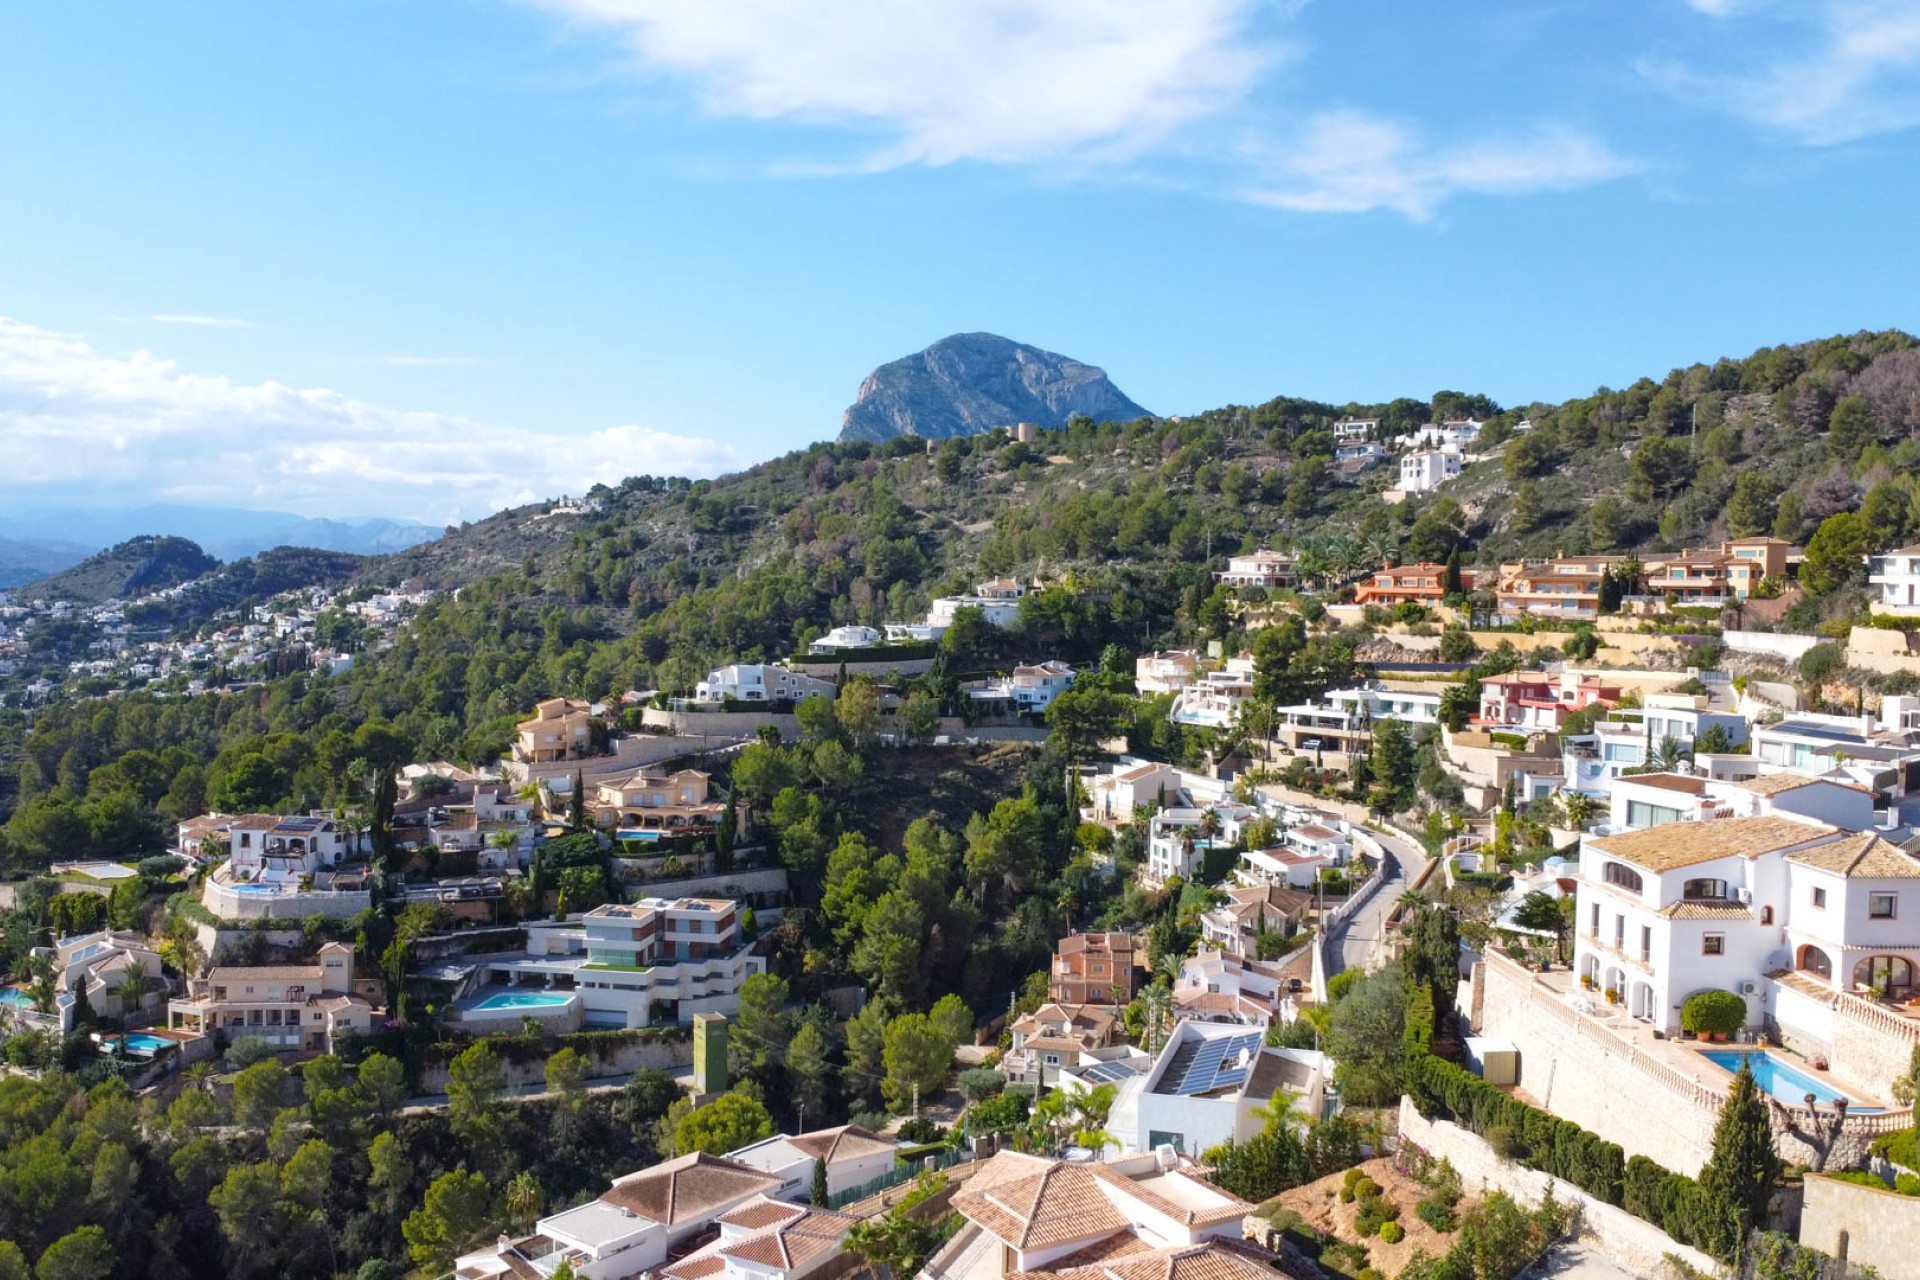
[1270,569]
[1742,904]
[1117,796]
[843,639]
[1427,470]
[265,846]
[853,1156]
[1030,689]
[1646,800]
[1205,1084]
[759,682]
[1895,579]
[1169,672]
[1214,698]
[633,1226]
[1216,986]
[1178,839]
[105,963]
[998,602]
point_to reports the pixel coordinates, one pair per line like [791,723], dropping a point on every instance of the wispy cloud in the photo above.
[938,81]
[415,362]
[1120,89]
[202,322]
[1353,161]
[1855,74]
[141,426]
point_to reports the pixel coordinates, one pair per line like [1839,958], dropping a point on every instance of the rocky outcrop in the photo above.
[974,382]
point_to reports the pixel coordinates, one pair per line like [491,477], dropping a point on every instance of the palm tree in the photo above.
[1580,808]
[133,985]
[1666,757]
[524,1198]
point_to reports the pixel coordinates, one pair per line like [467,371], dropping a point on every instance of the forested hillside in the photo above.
[668,578]
[129,569]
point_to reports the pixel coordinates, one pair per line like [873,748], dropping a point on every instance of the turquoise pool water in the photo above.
[138,1042]
[14,995]
[523,1000]
[1780,1078]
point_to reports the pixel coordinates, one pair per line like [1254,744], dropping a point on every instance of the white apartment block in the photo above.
[1215,698]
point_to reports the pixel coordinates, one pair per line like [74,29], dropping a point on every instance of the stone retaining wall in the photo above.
[1862,1226]
[1633,1243]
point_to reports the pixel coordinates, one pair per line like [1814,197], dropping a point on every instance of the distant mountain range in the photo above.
[974,382]
[224,532]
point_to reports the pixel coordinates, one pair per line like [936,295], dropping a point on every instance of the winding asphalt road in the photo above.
[1357,939]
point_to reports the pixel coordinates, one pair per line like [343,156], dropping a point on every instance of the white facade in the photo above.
[760,682]
[1117,796]
[1895,579]
[1177,841]
[843,638]
[1035,687]
[1261,569]
[854,1157]
[260,846]
[1427,470]
[1662,914]
[998,613]
[1215,698]
[1158,673]
[1172,1106]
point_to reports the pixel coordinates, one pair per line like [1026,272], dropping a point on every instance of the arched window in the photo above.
[1815,961]
[1885,972]
[1614,873]
[1704,889]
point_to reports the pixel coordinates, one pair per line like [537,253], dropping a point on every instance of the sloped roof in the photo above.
[1673,845]
[1774,784]
[1864,856]
[1687,783]
[1056,1206]
[687,1188]
[847,1142]
[1212,1260]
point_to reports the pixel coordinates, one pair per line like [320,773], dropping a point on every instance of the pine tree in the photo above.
[818,1196]
[1739,1180]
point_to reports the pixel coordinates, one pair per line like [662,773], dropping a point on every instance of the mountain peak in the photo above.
[972,382]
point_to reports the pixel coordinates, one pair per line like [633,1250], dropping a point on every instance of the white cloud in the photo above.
[1857,76]
[1353,161]
[203,322]
[1125,89]
[78,420]
[945,80]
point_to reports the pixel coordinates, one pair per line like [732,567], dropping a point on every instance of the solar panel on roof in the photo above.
[1217,1064]
[1107,1072]
[300,824]
[1828,732]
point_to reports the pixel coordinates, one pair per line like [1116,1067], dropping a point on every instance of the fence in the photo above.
[897,1175]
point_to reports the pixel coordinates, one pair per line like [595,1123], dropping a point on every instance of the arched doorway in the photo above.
[1889,973]
[1816,962]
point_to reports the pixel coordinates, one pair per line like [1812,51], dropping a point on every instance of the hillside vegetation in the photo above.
[131,568]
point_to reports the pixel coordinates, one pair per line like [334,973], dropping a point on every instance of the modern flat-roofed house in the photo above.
[759,682]
[1169,672]
[1356,429]
[1855,748]
[1214,698]
[1643,800]
[1206,1085]
[1895,580]
[998,602]
[305,1007]
[1096,968]
[560,729]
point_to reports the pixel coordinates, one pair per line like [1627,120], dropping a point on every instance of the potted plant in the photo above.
[1713,1015]
[1586,980]
[1613,996]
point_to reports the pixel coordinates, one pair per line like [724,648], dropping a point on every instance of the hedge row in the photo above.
[1673,1202]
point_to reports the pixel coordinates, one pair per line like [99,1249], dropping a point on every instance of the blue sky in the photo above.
[425,259]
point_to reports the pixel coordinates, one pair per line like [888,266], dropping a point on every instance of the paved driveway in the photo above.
[1577,1261]
[1357,938]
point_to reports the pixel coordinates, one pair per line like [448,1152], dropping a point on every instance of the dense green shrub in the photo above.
[1437,1211]
[1900,1148]
[1392,1232]
[1713,1013]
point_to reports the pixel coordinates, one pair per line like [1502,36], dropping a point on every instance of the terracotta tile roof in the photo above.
[1805,986]
[696,1267]
[253,822]
[1672,845]
[1706,911]
[1865,856]
[757,1214]
[688,1188]
[1774,784]
[1211,1260]
[795,1243]
[1219,1002]
[1232,1206]
[1688,783]
[848,1142]
[1057,1206]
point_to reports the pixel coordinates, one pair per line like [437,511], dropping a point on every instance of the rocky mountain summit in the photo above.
[973,382]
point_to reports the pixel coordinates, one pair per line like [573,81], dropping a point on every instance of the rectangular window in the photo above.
[1642,814]
[1713,944]
[1596,921]
[1646,942]
[1880,906]
[1820,898]
[1619,932]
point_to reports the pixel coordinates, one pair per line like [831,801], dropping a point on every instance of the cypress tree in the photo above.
[1739,1180]
[818,1196]
[577,803]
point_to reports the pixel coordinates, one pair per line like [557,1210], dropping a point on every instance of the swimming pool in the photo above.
[137,1043]
[15,996]
[1780,1078]
[523,1000]
[258,888]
